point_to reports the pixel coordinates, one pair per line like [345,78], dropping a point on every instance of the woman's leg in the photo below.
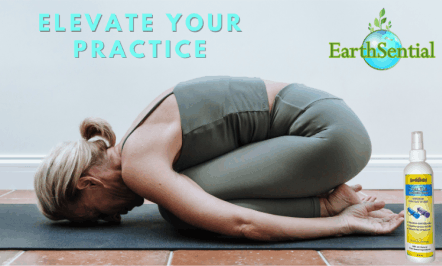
[327,146]
[324,146]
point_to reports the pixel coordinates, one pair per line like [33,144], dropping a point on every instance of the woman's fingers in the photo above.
[387,211]
[380,213]
[370,217]
[394,222]
[389,224]
[374,206]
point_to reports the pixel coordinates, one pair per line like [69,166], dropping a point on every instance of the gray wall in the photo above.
[46,92]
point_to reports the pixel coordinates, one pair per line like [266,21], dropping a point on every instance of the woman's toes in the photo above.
[369,199]
[366,199]
[357,187]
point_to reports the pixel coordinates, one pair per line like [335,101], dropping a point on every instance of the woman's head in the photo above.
[81,180]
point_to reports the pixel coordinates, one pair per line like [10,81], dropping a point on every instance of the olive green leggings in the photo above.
[313,147]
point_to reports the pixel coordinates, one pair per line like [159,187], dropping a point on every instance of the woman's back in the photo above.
[206,117]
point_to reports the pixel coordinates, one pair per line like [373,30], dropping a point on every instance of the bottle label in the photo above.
[419,215]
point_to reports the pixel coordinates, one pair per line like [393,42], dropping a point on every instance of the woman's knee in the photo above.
[347,142]
[340,154]
[349,149]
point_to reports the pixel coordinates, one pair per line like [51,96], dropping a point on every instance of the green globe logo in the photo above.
[381,39]
[372,41]
[381,49]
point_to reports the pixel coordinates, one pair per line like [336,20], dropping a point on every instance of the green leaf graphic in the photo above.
[382,13]
[378,22]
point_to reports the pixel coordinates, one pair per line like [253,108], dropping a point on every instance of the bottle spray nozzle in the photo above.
[417,140]
[417,153]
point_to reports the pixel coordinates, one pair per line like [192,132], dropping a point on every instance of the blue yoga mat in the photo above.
[23,227]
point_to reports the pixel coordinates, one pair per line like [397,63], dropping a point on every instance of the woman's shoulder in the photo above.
[160,126]
[159,135]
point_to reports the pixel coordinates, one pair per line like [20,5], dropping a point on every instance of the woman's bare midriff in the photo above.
[170,104]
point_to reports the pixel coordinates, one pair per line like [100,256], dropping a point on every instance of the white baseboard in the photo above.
[17,172]
[387,172]
[382,172]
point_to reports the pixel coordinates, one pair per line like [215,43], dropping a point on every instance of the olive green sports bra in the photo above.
[218,114]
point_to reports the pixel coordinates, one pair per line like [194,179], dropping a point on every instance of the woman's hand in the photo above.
[370,218]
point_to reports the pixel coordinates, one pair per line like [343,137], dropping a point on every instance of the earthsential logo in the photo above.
[381,49]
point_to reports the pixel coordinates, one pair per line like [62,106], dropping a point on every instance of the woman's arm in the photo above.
[152,178]
[269,227]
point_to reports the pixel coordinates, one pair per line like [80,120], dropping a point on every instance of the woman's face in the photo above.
[109,204]
[105,200]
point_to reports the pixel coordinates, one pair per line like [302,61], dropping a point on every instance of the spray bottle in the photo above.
[419,205]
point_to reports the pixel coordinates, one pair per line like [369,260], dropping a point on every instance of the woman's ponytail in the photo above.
[57,177]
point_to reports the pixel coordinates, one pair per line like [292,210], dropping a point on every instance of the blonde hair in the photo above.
[57,176]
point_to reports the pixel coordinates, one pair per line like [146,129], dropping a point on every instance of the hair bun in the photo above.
[94,126]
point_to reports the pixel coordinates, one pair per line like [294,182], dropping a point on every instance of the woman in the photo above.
[237,156]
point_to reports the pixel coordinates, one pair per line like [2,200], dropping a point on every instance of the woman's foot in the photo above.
[369,198]
[342,197]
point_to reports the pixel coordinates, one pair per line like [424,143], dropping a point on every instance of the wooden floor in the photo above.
[209,257]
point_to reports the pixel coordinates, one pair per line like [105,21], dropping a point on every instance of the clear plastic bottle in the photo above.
[418,205]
